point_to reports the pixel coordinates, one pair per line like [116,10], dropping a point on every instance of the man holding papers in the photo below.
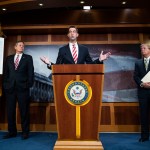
[142,79]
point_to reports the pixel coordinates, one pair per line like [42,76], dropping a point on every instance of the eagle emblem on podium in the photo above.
[78,92]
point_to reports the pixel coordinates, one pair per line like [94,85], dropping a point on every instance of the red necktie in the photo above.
[74,53]
[16,62]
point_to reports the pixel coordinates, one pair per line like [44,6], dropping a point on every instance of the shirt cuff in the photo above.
[100,60]
[141,85]
[49,65]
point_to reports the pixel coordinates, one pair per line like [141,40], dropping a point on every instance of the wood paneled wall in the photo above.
[115,117]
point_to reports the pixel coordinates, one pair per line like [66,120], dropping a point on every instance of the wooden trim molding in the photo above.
[7,2]
[78,26]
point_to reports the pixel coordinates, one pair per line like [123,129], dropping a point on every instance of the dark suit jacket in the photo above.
[21,78]
[139,73]
[65,56]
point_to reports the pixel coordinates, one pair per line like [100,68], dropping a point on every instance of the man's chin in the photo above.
[72,39]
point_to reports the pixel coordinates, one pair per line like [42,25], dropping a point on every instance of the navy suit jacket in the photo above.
[139,73]
[21,78]
[65,56]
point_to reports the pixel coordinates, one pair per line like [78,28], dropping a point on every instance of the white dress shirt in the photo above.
[20,55]
[71,47]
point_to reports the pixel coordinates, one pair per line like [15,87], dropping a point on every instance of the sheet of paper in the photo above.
[146,78]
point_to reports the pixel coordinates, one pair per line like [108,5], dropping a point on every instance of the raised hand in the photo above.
[104,56]
[45,60]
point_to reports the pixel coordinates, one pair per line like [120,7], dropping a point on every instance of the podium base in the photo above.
[78,145]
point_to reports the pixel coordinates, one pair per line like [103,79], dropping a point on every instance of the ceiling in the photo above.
[20,5]
[64,12]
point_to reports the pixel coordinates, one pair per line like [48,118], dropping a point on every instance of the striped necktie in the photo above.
[146,62]
[74,53]
[16,62]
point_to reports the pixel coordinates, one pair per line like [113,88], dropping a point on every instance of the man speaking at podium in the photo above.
[74,53]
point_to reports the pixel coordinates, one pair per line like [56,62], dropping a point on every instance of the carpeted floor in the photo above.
[46,141]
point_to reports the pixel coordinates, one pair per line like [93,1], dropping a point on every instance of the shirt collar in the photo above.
[147,58]
[19,54]
[70,44]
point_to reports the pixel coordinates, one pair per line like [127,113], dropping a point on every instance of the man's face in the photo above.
[72,34]
[145,50]
[19,47]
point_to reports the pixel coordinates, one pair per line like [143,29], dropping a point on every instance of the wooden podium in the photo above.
[77,125]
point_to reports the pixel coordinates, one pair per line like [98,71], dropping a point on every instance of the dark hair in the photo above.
[19,42]
[73,27]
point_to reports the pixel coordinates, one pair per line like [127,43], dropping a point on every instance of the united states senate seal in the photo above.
[78,92]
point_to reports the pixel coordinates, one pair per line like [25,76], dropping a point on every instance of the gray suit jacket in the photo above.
[139,73]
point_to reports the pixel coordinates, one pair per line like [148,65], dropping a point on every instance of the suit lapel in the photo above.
[143,66]
[12,61]
[21,60]
[148,68]
[68,54]
[79,53]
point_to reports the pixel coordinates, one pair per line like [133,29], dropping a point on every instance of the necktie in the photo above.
[146,62]
[16,62]
[74,53]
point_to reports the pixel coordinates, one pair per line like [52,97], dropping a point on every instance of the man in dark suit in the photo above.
[66,54]
[18,78]
[142,67]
